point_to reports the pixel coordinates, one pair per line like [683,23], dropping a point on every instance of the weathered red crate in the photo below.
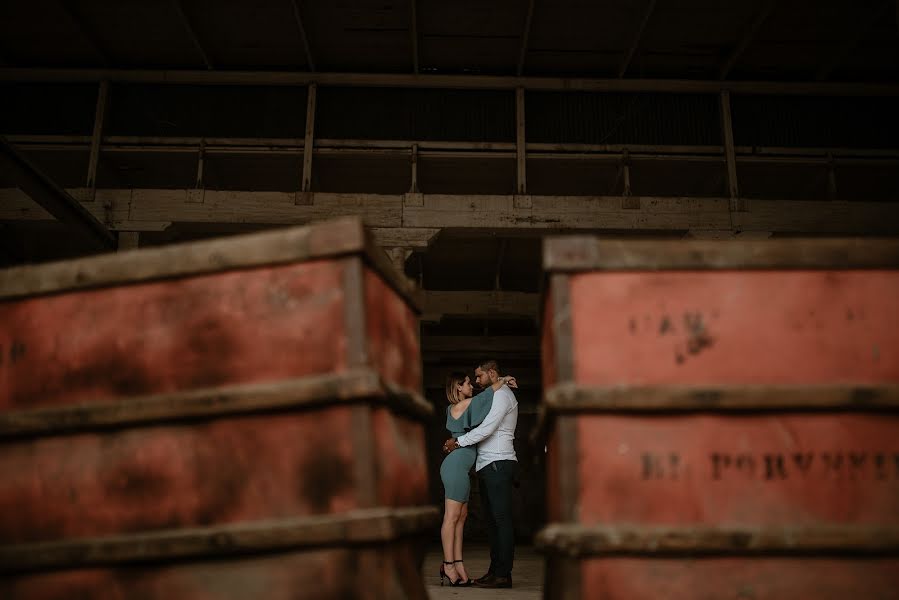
[255,395]
[743,385]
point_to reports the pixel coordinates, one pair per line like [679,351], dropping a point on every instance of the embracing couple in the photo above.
[482,429]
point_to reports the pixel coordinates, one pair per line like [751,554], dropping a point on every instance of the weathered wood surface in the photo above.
[346,529]
[568,397]
[582,253]
[805,468]
[339,237]
[577,540]
[355,386]
[377,571]
[155,209]
[757,327]
[160,337]
[392,334]
[760,578]
[180,476]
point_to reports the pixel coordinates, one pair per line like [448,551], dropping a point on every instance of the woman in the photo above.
[463,414]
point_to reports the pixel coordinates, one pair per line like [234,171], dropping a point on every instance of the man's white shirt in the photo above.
[495,435]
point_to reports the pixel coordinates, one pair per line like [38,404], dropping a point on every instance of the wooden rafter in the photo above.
[86,32]
[471,82]
[525,34]
[192,33]
[53,199]
[298,18]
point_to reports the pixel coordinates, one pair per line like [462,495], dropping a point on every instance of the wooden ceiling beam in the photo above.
[252,145]
[86,32]
[155,209]
[474,82]
[525,34]
[192,33]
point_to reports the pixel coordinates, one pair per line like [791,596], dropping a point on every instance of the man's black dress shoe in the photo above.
[488,575]
[492,581]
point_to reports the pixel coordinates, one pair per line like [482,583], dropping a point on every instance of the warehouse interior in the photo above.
[462,133]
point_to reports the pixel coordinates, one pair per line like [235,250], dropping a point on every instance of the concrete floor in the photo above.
[527,575]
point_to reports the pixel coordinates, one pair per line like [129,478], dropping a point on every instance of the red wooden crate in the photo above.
[748,385]
[262,386]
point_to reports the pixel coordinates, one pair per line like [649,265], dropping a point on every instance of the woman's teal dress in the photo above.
[457,464]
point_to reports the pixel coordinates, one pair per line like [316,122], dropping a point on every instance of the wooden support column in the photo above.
[305,195]
[198,193]
[727,132]
[520,154]
[413,187]
[398,256]
[628,201]
[99,119]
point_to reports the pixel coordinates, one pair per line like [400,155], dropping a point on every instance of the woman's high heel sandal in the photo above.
[443,574]
[467,583]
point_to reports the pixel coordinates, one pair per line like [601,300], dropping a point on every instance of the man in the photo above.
[496,467]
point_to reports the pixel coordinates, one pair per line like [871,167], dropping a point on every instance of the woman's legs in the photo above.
[457,542]
[451,513]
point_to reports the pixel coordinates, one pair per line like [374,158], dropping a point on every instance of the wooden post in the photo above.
[729,153]
[200,160]
[398,256]
[521,177]
[626,169]
[628,201]
[413,188]
[99,118]
[306,183]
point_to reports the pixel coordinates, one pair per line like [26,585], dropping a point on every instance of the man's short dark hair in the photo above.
[486,365]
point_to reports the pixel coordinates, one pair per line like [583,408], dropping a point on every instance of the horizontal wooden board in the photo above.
[583,253]
[339,237]
[157,337]
[756,578]
[735,328]
[619,540]
[573,398]
[342,530]
[224,471]
[354,386]
[766,470]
